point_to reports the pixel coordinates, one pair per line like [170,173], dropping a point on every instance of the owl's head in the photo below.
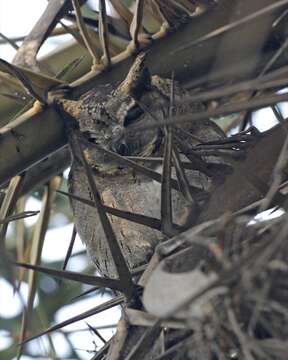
[105,117]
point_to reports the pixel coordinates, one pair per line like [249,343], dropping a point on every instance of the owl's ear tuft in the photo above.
[138,78]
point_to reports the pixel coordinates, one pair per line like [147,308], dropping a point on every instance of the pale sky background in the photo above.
[17,17]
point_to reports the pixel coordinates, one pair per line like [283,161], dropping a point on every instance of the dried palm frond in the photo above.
[215,286]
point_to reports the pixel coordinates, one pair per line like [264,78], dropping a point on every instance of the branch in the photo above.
[26,55]
[233,53]
[28,139]
[241,188]
[217,57]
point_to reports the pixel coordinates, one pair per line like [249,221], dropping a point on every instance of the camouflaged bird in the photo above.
[104,117]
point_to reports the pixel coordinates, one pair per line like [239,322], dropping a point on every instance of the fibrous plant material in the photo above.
[150,167]
[190,61]
[233,292]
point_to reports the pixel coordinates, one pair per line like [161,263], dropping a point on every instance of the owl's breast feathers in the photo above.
[103,119]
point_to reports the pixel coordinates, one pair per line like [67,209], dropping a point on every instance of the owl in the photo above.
[109,119]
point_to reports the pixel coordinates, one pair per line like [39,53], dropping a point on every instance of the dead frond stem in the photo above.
[104,33]
[85,35]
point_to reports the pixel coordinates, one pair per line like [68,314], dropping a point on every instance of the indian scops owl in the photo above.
[104,118]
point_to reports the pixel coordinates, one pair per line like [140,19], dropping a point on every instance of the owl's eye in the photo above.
[121,148]
[133,113]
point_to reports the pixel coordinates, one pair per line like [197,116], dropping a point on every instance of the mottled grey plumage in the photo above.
[104,119]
